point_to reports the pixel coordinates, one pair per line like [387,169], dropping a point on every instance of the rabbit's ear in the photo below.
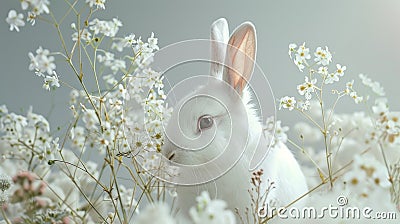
[240,56]
[219,39]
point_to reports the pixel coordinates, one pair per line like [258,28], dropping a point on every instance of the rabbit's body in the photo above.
[232,124]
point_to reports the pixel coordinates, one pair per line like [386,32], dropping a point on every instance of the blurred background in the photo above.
[364,35]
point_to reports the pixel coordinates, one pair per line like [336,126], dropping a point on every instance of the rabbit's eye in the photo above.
[205,122]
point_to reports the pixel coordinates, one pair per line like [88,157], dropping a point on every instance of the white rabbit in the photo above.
[226,121]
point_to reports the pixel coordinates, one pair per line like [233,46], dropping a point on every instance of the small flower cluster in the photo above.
[122,119]
[143,51]
[138,96]
[302,55]
[106,28]
[43,62]
[354,144]
[321,75]
[163,214]
[387,123]
[365,175]
[374,85]
[15,20]
[360,144]
[31,194]
[49,215]
[39,195]
[28,136]
[34,8]
[274,130]
[211,211]
[96,3]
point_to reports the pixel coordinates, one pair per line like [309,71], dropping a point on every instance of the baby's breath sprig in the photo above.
[117,121]
[373,133]
[315,82]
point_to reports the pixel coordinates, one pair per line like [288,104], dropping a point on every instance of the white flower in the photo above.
[287,102]
[211,211]
[340,70]
[25,4]
[299,64]
[356,179]
[107,58]
[84,35]
[393,124]
[349,85]
[110,79]
[130,39]
[322,56]
[117,65]
[292,48]
[3,110]
[97,3]
[275,129]
[375,171]
[323,70]
[152,42]
[365,80]
[117,104]
[46,84]
[331,78]
[303,53]
[304,105]
[77,135]
[108,28]
[378,89]
[380,107]
[40,6]
[15,20]
[42,62]
[280,132]
[37,120]
[90,118]
[155,213]
[357,99]
[307,87]
[375,86]
[31,18]
[124,42]
[347,91]
[50,81]
[122,91]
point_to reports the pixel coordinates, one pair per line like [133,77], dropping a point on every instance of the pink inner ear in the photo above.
[240,55]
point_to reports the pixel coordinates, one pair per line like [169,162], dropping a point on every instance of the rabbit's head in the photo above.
[217,119]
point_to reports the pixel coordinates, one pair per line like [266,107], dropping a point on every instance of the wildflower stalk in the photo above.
[309,88]
[5,216]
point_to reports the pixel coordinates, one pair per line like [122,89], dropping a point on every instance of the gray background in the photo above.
[362,34]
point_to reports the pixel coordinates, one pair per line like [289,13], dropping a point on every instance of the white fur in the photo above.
[280,166]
